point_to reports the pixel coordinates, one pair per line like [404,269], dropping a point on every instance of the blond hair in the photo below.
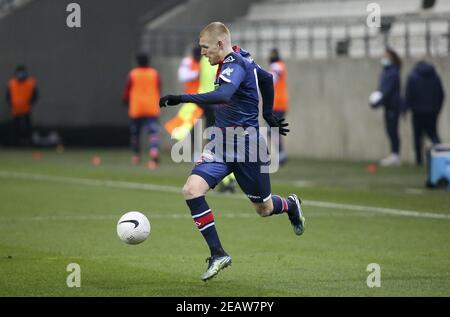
[217,30]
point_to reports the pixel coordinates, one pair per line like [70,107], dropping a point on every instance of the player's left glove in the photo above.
[169,100]
[274,122]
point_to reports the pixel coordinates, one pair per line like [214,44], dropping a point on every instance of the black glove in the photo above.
[169,100]
[274,122]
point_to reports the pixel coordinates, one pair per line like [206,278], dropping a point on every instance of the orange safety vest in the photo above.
[144,93]
[281,98]
[191,87]
[21,93]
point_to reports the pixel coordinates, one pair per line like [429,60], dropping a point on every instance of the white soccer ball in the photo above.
[133,227]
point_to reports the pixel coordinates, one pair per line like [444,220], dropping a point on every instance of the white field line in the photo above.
[169,215]
[173,189]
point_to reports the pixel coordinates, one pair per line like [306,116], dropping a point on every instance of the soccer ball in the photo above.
[133,227]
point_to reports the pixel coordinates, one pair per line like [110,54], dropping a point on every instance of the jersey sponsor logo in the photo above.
[227,71]
[229,59]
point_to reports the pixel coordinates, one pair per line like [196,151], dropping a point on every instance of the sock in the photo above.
[135,146]
[154,146]
[204,220]
[280,205]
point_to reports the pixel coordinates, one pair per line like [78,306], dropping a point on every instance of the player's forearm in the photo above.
[267,93]
[221,95]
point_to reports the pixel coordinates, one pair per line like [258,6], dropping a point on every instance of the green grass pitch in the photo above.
[61,209]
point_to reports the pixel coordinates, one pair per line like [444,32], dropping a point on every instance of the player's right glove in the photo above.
[274,122]
[169,100]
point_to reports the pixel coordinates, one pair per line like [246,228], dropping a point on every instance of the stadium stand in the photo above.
[328,28]
[8,6]
[303,10]
[81,72]
[322,28]
[172,32]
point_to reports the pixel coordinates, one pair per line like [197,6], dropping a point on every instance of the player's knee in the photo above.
[263,210]
[189,191]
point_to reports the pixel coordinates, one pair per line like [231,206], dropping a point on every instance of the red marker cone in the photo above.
[60,149]
[371,168]
[36,156]
[96,160]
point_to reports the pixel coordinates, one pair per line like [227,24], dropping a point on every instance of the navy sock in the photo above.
[204,220]
[280,205]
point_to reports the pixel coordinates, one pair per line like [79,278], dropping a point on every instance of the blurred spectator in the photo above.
[180,126]
[21,95]
[198,77]
[424,95]
[388,96]
[141,95]
[281,98]
[189,71]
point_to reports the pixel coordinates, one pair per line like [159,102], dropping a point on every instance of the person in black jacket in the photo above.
[388,96]
[424,96]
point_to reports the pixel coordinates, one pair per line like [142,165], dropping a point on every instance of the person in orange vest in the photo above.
[281,98]
[189,71]
[21,95]
[197,76]
[141,95]
[180,126]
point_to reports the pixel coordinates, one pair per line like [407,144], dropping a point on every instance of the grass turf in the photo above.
[53,212]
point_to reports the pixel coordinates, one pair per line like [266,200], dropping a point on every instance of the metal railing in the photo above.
[169,41]
[317,40]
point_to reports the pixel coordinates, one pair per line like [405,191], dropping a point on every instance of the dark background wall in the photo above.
[80,71]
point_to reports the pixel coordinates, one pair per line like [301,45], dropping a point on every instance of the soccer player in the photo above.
[236,105]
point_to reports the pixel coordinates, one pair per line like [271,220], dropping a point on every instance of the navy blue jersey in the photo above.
[242,109]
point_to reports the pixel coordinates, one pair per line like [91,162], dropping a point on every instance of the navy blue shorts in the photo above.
[254,184]
[249,175]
